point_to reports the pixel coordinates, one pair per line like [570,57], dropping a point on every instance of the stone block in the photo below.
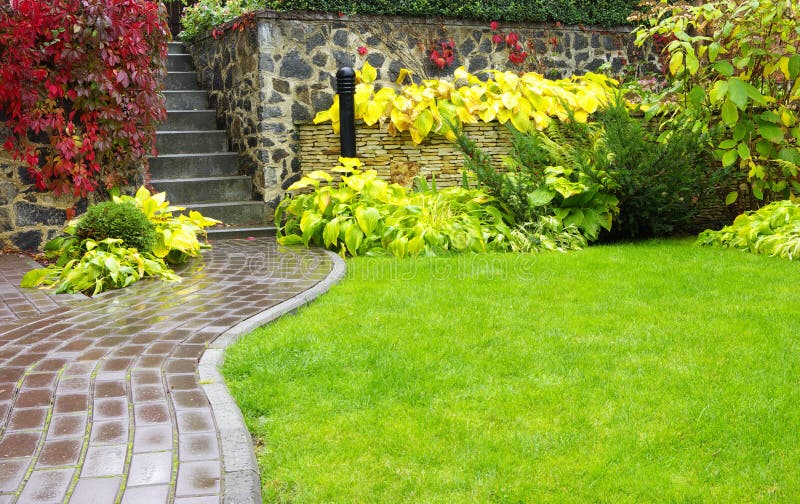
[26,240]
[27,214]
[294,66]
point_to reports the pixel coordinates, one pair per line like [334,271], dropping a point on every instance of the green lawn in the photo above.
[651,372]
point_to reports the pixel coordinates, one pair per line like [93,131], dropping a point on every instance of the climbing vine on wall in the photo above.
[80,86]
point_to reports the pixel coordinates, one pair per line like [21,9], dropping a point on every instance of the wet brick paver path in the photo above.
[100,400]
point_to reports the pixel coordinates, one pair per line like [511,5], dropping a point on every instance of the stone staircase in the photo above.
[194,166]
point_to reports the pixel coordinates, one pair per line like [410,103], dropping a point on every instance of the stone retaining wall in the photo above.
[269,79]
[29,218]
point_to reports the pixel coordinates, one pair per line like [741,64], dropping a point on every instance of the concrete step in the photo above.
[176,48]
[191,142]
[231,232]
[185,120]
[181,166]
[238,213]
[179,63]
[186,100]
[177,81]
[206,189]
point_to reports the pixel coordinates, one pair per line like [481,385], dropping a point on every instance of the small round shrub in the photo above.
[117,220]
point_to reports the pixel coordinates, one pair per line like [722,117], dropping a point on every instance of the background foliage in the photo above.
[84,79]
[208,13]
[734,73]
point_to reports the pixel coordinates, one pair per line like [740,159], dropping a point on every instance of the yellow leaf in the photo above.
[368,73]
[675,63]
[588,102]
[405,73]
[373,113]
[510,100]
[320,175]
[322,116]
[461,74]
[787,118]
[783,63]
[581,116]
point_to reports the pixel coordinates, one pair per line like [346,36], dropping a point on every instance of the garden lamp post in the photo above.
[346,88]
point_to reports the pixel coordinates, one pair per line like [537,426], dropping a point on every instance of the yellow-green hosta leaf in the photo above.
[309,222]
[330,234]
[415,245]
[588,102]
[521,119]
[303,183]
[422,126]
[35,277]
[353,237]
[320,175]
[367,219]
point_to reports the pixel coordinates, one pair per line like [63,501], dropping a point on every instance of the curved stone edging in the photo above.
[241,481]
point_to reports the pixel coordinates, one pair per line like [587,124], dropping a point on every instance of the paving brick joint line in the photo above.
[100,398]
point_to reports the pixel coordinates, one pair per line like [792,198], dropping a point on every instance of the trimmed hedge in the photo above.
[596,12]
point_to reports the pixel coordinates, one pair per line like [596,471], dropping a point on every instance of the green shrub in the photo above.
[122,221]
[660,184]
[209,13]
[771,230]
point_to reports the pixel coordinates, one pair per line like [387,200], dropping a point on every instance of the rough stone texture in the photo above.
[270,79]
[28,217]
[398,159]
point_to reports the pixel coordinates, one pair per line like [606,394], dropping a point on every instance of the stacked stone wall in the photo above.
[397,158]
[268,80]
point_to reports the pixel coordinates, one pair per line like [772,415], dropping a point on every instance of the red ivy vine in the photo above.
[80,84]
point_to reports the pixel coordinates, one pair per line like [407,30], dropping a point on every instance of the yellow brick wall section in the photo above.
[398,159]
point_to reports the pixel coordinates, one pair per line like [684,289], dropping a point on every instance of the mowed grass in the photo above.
[651,372]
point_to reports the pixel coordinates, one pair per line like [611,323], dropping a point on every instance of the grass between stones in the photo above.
[655,371]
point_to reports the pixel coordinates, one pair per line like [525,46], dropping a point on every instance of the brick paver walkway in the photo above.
[100,400]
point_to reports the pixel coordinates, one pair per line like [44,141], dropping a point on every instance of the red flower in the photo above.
[554,41]
[497,39]
[512,38]
[362,50]
[493,25]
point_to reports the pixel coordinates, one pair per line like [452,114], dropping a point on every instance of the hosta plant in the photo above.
[771,230]
[527,102]
[176,237]
[363,215]
[83,262]
[95,266]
